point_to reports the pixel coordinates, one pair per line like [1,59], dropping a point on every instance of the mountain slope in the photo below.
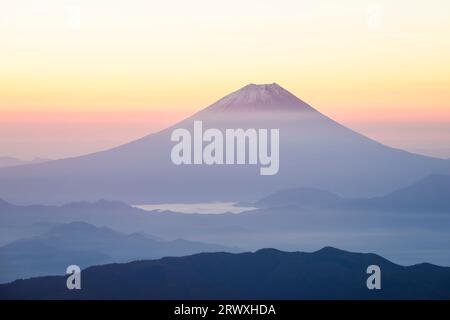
[303,197]
[430,194]
[314,151]
[259,98]
[86,245]
[267,274]
[10,161]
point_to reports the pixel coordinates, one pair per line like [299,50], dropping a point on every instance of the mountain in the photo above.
[430,194]
[259,98]
[85,245]
[304,221]
[169,225]
[266,274]
[315,151]
[121,217]
[300,219]
[10,161]
[302,197]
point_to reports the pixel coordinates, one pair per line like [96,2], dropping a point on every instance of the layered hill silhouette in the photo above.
[315,151]
[86,245]
[419,210]
[430,194]
[266,274]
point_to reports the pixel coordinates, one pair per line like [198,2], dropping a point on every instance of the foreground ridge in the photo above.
[266,274]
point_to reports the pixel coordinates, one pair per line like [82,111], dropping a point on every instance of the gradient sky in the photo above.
[78,76]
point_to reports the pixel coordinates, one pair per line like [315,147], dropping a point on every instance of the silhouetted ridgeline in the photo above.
[87,245]
[430,194]
[266,274]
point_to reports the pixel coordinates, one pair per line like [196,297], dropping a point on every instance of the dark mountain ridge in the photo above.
[266,274]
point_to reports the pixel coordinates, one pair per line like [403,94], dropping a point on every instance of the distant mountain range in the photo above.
[315,151]
[416,218]
[266,274]
[431,194]
[86,245]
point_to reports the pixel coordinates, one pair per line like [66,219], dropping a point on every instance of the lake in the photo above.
[202,208]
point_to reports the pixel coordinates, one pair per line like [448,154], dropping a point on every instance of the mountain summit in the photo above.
[261,98]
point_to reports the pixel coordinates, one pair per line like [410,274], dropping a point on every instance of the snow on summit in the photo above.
[260,97]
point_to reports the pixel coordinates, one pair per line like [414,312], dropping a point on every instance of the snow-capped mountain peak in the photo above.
[259,98]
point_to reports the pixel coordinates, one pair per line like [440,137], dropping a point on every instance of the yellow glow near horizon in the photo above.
[344,57]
